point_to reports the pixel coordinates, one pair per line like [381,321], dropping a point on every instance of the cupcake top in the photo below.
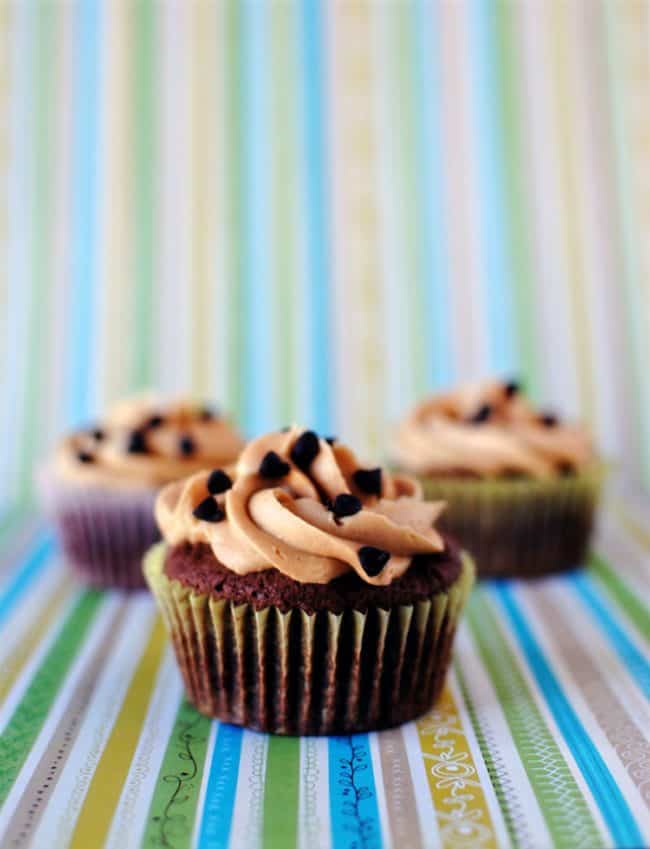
[145,441]
[304,506]
[489,430]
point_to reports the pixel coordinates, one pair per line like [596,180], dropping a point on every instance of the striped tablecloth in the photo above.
[541,738]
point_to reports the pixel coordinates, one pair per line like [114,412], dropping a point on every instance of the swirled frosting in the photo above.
[145,441]
[297,503]
[489,430]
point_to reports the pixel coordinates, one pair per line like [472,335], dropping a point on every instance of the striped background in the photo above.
[541,739]
[319,211]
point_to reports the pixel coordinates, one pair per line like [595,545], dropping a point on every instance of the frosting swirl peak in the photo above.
[305,507]
[489,430]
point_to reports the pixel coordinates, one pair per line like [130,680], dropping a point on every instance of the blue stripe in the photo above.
[84,205]
[33,566]
[498,302]
[636,664]
[255,235]
[318,205]
[434,267]
[353,798]
[610,800]
[216,820]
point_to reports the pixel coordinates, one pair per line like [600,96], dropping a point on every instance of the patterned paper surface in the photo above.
[541,738]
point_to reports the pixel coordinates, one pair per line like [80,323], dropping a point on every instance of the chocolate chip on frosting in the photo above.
[136,444]
[273,466]
[548,419]
[85,457]
[218,482]
[345,505]
[155,421]
[207,413]
[565,468]
[373,559]
[481,415]
[330,440]
[511,388]
[208,511]
[368,480]
[97,434]
[305,449]
[186,445]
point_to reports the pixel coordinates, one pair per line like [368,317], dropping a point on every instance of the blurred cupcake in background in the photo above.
[101,483]
[305,593]
[521,485]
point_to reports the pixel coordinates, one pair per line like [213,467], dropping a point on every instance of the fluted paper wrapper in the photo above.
[299,673]
[520,528]
[104,533]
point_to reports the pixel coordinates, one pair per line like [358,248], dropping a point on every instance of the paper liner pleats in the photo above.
[103,533]
[299,673]
[520,527]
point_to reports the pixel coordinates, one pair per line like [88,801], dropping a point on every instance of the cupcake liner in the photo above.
[520,528]
[104,533]
[299,673]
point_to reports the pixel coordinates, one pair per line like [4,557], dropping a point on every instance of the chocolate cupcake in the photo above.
[101,484]
[305,594]
[521,485]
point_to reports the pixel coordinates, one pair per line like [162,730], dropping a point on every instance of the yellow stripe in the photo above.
[108,780]
[46,614]
[457,796]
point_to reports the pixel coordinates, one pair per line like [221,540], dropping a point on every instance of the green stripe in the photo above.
[281,793]
[284,70]
[26,721]
[235,208]
[630,603]
[491,767]
[144,167]
[509,102]
[44,18]
[172,814]
[562,803]
[403,109]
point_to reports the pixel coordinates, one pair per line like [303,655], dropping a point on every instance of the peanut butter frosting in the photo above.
[297,503]
[489,430]
[147,442]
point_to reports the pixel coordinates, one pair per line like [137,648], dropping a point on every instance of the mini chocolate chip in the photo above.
[97,434]
[345,505]
[137,444]
[548,419]
[511,388]
[273,466]
[218,482]
[373,559]
[481,415]
[207,413]
[186,445]
[305,448]
[208,511]
[430,559]
[85,457]
[368,480]
[155,421]
[331,439]
[565,468]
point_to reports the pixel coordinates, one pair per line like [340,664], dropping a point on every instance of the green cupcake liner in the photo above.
[520,527]
[299,673]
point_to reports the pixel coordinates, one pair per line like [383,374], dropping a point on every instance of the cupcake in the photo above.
[305,594]
[521,485]
[101,484]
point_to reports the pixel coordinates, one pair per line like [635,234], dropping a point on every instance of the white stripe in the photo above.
[531,827]
[429,827]
[60,816]
[582,708]
[380,791]
[314,821]
[246,831]
[130,817]
[58,708]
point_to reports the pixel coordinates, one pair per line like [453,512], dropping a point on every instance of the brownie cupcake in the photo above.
[521,485]
[305,594]
[101,483]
